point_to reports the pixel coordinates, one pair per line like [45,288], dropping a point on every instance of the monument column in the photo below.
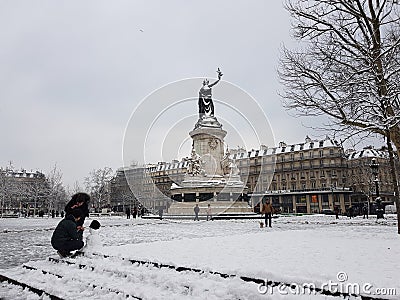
[209,144]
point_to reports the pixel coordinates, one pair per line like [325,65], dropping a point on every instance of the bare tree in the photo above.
[76,188]
[6,188]
[56,196]
[348,67]
[98,183]
[36,194]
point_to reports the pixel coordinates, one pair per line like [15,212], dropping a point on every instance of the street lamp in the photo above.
[375,171]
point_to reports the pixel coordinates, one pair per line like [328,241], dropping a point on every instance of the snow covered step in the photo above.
[20,290]
[106,277]
[73,281]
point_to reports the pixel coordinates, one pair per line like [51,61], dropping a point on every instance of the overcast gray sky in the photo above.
[72,72]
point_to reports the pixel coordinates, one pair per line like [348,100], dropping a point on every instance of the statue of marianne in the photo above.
[206,105]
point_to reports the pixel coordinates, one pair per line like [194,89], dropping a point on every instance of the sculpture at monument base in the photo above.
[194,164]
[229,166]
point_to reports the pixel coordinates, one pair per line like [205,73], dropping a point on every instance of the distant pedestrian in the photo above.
[365,211]
[209,212]
[350,211]
[160,213]
[134,212]
[268,210]
[196,212]
[128,213]
[336,209]
[142,211]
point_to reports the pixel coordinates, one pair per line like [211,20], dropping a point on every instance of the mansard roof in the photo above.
[22,174]
[367,152]
[285,148]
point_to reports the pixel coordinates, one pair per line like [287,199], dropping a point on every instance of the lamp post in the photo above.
[375,171]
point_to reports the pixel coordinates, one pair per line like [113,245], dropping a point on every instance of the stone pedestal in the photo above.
[227,191]
[209,144]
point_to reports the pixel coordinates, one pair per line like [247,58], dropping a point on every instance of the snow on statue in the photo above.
[194,164]
[206,105]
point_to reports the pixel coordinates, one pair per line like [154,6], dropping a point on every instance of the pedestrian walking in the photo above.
[142,211]
[350,212]
[196,212]
[268,210]
[134,212]
[128,213]
[209,212]
[336,209]
[160,213]
[365,211]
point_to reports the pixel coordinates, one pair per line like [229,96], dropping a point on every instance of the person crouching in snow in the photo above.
[67,237]
[93,240]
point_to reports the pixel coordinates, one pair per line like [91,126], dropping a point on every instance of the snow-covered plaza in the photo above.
[207,260]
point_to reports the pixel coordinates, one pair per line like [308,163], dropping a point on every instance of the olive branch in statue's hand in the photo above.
[219,78]
[219,73]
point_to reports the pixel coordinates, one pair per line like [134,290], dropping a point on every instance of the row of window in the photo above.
[293,156]
[294,186]
[297,163]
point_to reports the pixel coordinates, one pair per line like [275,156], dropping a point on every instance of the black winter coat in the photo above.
[65,231]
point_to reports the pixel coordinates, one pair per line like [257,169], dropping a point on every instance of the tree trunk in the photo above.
[396,135]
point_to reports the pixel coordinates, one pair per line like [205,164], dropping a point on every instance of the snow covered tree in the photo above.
[56,195]
[76,188]
[6,188]
[347,66]
[98,183]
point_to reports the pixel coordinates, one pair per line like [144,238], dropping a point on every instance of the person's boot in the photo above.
[63,253]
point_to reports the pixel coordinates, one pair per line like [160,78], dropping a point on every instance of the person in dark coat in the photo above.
[160,213]
[336,209]
[128,213]
[66,237]
[365,211]
[350,212]
[135,212]
[196,212]
[81,201]
[142,211]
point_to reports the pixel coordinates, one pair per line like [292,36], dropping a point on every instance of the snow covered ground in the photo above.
[353,256]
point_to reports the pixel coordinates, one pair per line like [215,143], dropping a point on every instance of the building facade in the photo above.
[361,180]
[307,177]
[23,192]
[148,185]
[300,178]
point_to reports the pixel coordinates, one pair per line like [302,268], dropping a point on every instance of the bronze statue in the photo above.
[206,105]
